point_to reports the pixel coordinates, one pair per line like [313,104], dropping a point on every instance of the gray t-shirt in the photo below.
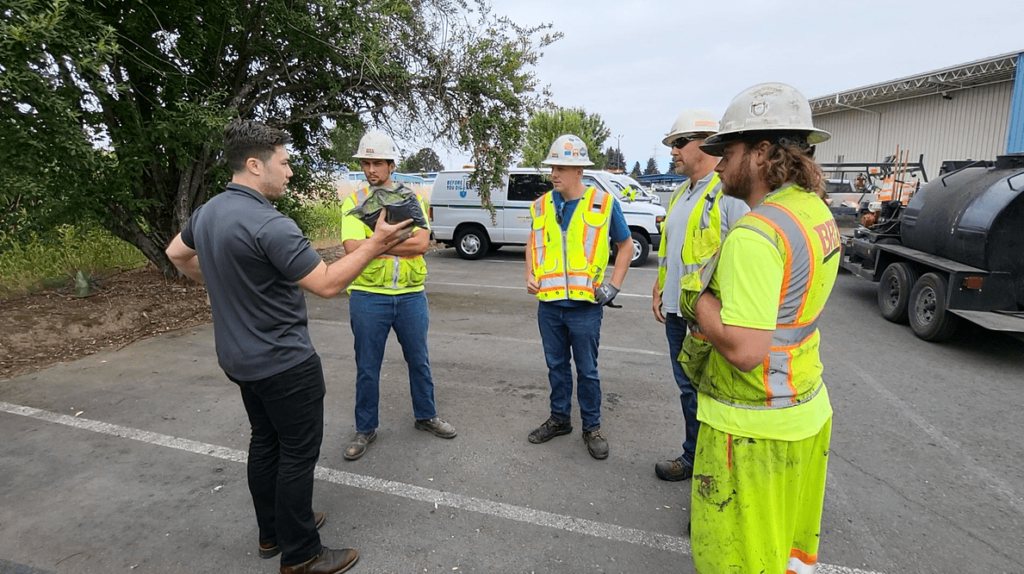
[251,256]
[730,209]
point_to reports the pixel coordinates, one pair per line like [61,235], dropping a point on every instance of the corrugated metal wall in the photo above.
[970,125]
[1015,137]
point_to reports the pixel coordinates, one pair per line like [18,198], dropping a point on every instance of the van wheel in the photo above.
[640,249]
[894,289]
[930,319]
[472,243]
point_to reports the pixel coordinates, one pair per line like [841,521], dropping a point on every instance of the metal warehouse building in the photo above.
[970,111]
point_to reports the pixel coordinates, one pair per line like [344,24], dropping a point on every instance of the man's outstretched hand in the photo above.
[385,235]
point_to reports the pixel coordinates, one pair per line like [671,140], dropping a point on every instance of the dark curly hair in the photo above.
[791,160]
[245,138]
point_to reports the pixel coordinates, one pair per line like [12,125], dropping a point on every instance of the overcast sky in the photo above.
[639,63]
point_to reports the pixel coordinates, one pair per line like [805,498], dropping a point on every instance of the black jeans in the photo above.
[286,412]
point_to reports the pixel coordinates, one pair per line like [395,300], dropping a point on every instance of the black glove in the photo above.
[605,293]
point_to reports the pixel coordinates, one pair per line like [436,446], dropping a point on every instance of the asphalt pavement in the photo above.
[133,460]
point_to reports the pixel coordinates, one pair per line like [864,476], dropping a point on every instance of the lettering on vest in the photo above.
[830,240]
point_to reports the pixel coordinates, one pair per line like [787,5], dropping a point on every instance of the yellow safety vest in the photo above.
[570,265]
[801,227]
[386,274]
[703,233]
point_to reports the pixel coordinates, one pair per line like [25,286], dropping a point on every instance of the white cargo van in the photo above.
[457,218]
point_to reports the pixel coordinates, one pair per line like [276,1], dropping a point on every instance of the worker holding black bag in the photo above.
[388,294]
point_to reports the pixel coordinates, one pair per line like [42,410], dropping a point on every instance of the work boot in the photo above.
[357,446]
[327,562]
[549,430]
[673,470]
[269,549]
[436,426]
[596,444]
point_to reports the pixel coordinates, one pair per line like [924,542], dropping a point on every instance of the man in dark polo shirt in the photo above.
[255,262]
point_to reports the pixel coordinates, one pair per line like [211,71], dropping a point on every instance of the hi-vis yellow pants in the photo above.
[756,503]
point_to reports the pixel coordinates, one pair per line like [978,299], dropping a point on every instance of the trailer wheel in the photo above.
[930,319]
[894,288]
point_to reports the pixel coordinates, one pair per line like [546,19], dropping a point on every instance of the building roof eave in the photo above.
[994,69]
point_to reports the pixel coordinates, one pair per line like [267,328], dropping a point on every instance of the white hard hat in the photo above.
[768,107]
[376,145]
[691,122]
[568,150]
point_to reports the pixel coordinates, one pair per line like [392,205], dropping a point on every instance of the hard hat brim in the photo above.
[576,163]
[667,140]
[715,144]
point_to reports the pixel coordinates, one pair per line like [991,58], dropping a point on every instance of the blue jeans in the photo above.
[372,316]
[286,413]
[572,332]
[675,330]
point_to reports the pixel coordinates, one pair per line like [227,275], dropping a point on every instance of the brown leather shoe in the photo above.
[269,549]
[359,443]
[436,426]
[327,562]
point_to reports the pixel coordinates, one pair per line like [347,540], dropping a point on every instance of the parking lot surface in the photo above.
[133,461]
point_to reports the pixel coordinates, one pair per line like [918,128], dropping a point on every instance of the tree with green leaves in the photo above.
[635,172]
[652,167]
[546,125]
[423,161]
[113,109]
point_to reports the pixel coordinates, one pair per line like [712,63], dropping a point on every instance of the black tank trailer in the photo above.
[954,252]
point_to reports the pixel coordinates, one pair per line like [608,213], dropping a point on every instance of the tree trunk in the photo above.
[123,224]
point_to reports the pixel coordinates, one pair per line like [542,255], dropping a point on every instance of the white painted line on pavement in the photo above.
[996,483]
[523,514]
[517,287]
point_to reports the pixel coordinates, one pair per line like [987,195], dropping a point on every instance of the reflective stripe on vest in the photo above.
[796,332]
[709,209]
[570,265]
[703,235]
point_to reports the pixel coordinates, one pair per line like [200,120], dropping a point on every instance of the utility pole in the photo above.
[618,150]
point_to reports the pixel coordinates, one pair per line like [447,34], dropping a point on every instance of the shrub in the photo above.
[52,259]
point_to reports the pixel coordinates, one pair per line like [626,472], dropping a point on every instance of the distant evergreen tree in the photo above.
[652,167]
[636,170]
[615,159]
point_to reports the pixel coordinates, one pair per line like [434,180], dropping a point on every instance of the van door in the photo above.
[523,190]
[455,203]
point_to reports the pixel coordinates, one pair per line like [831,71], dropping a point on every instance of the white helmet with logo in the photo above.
[691,122]
[377,145]
[769,107]
[568,150]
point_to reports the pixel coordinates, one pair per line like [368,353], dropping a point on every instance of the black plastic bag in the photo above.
[408,208]
[399,205]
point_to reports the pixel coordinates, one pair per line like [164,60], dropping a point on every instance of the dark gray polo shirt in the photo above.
[251,256]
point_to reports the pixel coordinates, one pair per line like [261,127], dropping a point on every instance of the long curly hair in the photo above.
[793,161]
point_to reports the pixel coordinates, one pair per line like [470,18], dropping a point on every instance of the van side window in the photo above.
[527,186]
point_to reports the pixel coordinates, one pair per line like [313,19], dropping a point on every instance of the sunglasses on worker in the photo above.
[681,141]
